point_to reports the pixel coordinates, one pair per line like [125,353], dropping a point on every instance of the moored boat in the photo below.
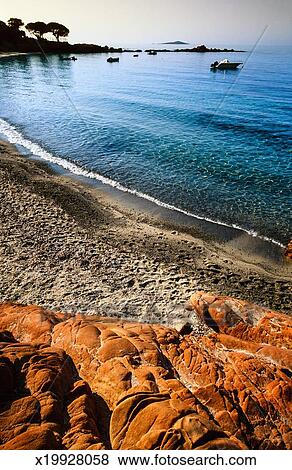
[113,59]
[225,65]
[68,58]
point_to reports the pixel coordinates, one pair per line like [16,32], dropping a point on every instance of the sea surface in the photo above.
[215,145]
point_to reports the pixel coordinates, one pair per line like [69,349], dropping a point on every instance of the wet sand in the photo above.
[71,246]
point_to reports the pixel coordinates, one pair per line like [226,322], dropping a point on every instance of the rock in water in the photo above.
[85,382]
[288,251]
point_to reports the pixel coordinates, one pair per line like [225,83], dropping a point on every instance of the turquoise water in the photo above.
[213,144]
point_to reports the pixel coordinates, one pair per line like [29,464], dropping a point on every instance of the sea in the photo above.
[214,145]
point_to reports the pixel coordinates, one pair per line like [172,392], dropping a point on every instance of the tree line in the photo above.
[38,28]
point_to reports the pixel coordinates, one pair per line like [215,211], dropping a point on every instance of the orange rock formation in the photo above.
[83,382]
[288,251]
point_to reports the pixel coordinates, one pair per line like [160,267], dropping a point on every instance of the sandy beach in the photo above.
[71,247]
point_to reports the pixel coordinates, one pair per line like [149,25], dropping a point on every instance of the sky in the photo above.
[137,22]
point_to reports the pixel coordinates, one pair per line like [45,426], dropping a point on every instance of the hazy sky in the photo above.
[228,22]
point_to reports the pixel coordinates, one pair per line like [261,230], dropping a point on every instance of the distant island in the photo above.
[175,42]
[201,48]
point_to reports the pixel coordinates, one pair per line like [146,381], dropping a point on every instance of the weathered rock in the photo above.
[288,251]
[242,319]
[30,324]
[91,383]
[39,393]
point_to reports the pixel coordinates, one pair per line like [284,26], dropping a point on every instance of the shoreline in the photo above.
[70,246]
[15,54]
[250,240]
[237,238]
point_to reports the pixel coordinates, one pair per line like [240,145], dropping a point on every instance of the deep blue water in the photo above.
[216,144]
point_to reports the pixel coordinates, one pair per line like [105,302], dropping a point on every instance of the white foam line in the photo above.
[15,137]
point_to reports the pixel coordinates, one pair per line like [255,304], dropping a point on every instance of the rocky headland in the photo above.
[13,38]
[201,49]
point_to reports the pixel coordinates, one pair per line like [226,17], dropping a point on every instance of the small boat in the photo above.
[152,53]
[113,59]
[136,55]
[68,58]
[225,65]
